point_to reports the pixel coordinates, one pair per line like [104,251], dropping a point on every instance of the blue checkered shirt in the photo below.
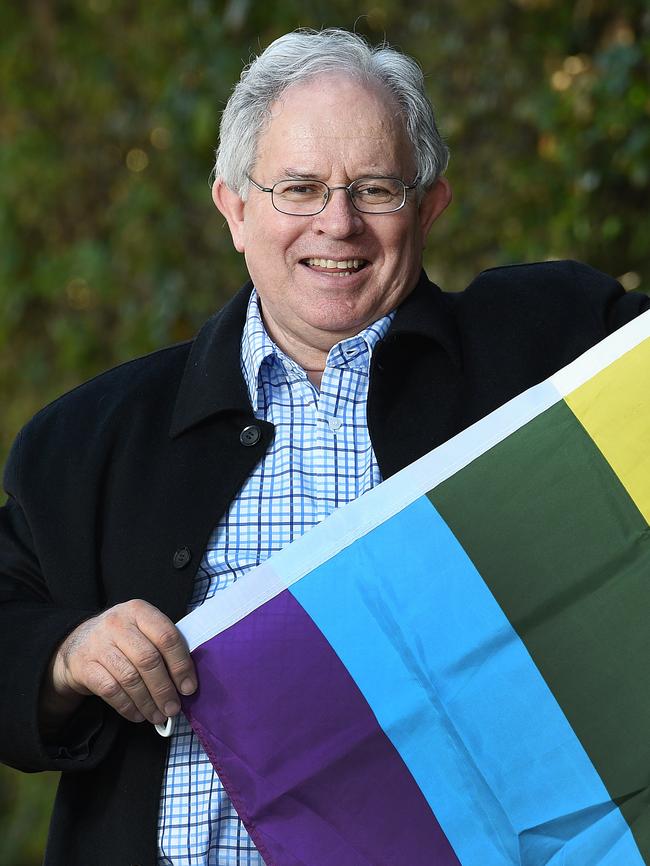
[321,457]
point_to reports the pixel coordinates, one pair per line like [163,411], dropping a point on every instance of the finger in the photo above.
[149,670]
[164,635]
[135,668]
[146,677]
[102,683]
[139,670]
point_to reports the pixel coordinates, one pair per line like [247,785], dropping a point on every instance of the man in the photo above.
[159,483]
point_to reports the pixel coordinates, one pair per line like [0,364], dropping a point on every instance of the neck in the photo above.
[311,358]
[314,376]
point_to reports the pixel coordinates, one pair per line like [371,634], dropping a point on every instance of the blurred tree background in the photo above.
[110,246]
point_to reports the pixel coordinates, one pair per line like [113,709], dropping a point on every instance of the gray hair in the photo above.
[298,57]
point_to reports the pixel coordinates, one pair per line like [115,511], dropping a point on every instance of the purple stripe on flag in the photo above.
[313,776]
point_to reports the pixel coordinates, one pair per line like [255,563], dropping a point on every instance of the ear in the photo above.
[232,207]
[433,203]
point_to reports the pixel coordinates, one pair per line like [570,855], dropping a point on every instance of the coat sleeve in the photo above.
[618,307]
[32,626]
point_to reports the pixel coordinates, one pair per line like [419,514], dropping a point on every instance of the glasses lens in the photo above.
[378,194]
[299,196]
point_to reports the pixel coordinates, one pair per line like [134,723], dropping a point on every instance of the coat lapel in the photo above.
[416,383]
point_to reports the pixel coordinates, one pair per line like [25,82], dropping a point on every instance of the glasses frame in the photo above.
[331,189]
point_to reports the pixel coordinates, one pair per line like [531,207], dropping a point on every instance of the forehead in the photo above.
[335,122]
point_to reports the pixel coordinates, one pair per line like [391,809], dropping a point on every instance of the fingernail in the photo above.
[158,718]
[187,686]
[171,708]
[138,717]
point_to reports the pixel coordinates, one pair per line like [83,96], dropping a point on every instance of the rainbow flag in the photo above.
[453,669]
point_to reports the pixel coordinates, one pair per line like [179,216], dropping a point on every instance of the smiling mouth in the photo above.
[338,268]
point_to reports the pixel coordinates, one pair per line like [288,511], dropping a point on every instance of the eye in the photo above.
[378,190]
[293,190]
[373,191]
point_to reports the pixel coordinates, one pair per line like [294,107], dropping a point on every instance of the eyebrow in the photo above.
[298,174]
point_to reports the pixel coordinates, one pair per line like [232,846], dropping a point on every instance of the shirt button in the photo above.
[335,424]
[182,557]
[250,435]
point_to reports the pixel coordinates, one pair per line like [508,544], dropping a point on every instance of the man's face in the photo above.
[336,130]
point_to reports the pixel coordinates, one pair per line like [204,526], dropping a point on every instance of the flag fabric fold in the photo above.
[452,668]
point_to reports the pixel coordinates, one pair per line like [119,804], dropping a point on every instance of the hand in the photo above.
[132,656]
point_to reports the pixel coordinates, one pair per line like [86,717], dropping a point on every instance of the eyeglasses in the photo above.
[309,197]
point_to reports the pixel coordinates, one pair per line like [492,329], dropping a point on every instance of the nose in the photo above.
[339,218]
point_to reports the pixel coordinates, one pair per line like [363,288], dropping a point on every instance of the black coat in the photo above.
[107,483]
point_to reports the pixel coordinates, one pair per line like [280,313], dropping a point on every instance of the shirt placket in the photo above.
[342,386]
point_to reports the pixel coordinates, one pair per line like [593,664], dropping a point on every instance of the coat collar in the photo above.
[212,380]
[205,390]
[426,313]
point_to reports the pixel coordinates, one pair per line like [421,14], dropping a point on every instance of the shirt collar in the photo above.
[257,347]
[204,389]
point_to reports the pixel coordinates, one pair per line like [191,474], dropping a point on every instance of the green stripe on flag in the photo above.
[566,554]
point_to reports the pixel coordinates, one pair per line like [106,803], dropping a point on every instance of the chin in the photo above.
[342,327]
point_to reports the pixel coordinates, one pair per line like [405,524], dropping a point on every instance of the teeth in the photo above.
[344,265]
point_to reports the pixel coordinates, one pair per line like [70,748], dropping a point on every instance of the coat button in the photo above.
[182,557]
[250,435]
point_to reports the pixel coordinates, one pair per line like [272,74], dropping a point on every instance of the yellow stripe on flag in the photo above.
[614,408]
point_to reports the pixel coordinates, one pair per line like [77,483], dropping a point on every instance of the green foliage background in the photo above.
[109,243]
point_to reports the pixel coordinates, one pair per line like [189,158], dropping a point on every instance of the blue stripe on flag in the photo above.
[459,696]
